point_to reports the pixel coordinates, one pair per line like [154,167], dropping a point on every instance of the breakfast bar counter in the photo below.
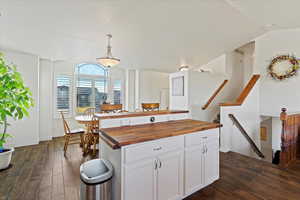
[126,135]
[138,114]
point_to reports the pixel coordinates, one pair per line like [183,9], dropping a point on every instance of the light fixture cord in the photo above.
[109,54]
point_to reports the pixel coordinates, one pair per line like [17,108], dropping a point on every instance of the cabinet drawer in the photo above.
[201,136]
[179,116]
[152,148]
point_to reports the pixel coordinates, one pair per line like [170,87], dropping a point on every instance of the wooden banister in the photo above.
[245,134]
[214,95]
[290,145]
[246,91]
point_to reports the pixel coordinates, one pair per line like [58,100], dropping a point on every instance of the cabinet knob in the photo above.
[157,149]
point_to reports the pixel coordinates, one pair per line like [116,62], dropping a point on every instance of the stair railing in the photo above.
[245,134]
[214,95]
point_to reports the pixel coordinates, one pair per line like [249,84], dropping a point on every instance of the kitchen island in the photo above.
[166,160]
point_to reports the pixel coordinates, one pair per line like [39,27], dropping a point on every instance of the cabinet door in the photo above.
[140,181]
[211,162]
[194,169]
[170,176]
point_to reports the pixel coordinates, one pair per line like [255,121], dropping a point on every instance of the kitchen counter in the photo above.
[148,154]
[126,135]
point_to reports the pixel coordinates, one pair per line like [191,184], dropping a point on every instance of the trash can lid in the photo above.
[96,171]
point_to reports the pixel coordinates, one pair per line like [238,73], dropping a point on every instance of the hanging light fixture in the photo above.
[109,60]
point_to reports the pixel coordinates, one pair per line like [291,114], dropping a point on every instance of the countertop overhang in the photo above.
[126,135]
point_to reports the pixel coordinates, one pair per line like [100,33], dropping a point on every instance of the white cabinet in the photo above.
[157,178]
[201,160]
[193,170]
[170,168]
[140,180]
[211,161]
[170,176]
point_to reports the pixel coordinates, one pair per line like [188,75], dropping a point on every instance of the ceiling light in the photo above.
[183,68]
[108,60]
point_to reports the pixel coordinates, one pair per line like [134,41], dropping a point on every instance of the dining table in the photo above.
[87,121]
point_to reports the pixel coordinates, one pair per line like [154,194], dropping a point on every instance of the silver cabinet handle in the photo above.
[157,149]
[206,149]
[160,164]
[204,137]
[155,164]
[203,150]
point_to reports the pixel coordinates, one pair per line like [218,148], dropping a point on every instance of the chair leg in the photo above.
[81,140]
[67,139]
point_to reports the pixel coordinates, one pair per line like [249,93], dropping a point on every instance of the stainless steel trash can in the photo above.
[96,178]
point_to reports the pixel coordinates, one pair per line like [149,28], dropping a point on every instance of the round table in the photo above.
[86,120]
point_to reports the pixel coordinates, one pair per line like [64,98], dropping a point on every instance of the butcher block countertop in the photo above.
[137,114]
[126,135]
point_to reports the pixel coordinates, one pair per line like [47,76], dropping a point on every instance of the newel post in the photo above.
[283,118]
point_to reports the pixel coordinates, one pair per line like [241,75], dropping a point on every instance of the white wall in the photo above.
[200,86]
[131,88]
[248,115]
[276,133]
[266,146]
[152,85]
[274,94]
[217,65]
[46,100]
[26,131]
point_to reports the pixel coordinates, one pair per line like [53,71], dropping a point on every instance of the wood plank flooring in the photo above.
[42,172]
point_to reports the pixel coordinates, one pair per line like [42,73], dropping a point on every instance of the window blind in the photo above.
[84,93]
[63,93]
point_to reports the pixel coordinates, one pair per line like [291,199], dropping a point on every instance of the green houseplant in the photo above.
[15,100]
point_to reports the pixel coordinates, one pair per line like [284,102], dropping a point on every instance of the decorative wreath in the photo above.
[291,71]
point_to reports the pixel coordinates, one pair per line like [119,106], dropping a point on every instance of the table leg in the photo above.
[86,140]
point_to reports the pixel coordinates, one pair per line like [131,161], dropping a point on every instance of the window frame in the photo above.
[94,78]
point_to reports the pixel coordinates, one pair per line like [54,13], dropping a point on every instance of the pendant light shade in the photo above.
[108,60]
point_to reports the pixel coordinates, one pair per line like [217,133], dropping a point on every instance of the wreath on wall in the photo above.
[283,67]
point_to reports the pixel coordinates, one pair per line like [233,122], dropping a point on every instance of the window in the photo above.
[91,87]
[117,92]
[63,93]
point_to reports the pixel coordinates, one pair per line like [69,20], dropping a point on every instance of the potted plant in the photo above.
[15,100]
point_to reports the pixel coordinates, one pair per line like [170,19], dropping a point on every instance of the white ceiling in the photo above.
[155,34]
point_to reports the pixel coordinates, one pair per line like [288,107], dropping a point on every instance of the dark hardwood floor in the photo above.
[42,172]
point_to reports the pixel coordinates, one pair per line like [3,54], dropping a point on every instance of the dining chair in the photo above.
[109,108]
[70,134]
[90,111]
[150,106]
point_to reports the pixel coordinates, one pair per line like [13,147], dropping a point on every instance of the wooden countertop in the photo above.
[125,135]
[138,114]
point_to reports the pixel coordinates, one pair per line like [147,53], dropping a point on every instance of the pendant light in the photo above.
[108,60]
